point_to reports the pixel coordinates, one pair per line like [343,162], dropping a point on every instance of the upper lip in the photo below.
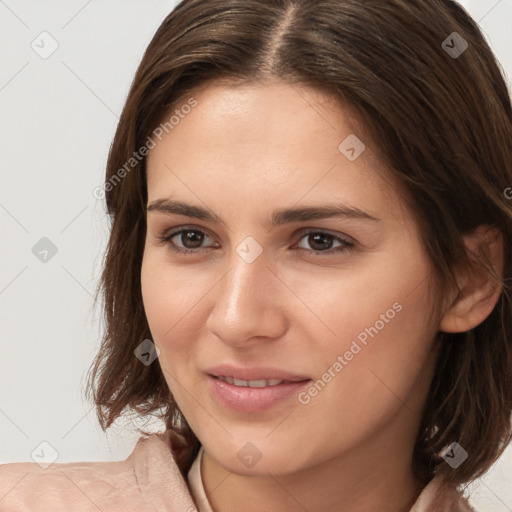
[254,373]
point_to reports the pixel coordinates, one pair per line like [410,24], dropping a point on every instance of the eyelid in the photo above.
[301,231]
[336,234]
[169,233]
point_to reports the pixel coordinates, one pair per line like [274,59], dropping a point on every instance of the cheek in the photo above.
[170,304]
[164,305]
[378,346]
[174,299]
[162,287]
[383,362]
[384,299]
[363,386]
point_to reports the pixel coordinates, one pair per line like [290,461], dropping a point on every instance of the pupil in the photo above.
[192,236]
[315,237]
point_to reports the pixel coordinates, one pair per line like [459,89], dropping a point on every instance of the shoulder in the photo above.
[137,483]
[439,497]
[27,486]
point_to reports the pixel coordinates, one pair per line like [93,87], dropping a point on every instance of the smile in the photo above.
[262,383]
[252,396]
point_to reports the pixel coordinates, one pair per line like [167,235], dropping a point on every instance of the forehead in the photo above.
[272,142]
[265,113]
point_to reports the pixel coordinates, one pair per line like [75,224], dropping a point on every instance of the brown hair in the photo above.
[443,126]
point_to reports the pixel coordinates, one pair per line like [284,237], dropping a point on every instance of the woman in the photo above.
[369,373]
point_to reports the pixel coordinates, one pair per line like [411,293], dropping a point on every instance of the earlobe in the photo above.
[479,290]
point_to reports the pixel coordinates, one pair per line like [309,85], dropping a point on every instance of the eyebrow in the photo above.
[278,217]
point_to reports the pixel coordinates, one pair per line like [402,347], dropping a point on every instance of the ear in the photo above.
[479,291]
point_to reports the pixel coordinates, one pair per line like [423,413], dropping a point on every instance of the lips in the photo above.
[255,373]
[253,390]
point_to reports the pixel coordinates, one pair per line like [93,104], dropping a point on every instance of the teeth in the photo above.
[274,382]
[251,383]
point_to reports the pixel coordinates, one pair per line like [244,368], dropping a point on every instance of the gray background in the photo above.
[59,115]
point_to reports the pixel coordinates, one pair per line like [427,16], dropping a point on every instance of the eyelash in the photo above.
[346,245]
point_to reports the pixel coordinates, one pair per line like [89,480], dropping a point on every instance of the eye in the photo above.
[319,240]
[189,237]
[192,239]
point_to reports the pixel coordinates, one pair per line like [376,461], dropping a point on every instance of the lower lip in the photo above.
[248,399]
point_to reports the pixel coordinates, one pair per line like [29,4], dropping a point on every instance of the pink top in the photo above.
[148,480]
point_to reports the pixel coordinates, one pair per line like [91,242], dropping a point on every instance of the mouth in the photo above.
[252,395]
[254,374]
[259,383]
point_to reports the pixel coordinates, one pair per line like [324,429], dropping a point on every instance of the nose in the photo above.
[249,304]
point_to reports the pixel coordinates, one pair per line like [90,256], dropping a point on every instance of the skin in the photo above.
[243,152]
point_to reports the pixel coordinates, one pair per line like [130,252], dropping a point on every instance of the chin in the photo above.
[259,459]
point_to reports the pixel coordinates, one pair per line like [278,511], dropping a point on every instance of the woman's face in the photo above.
[346,328]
